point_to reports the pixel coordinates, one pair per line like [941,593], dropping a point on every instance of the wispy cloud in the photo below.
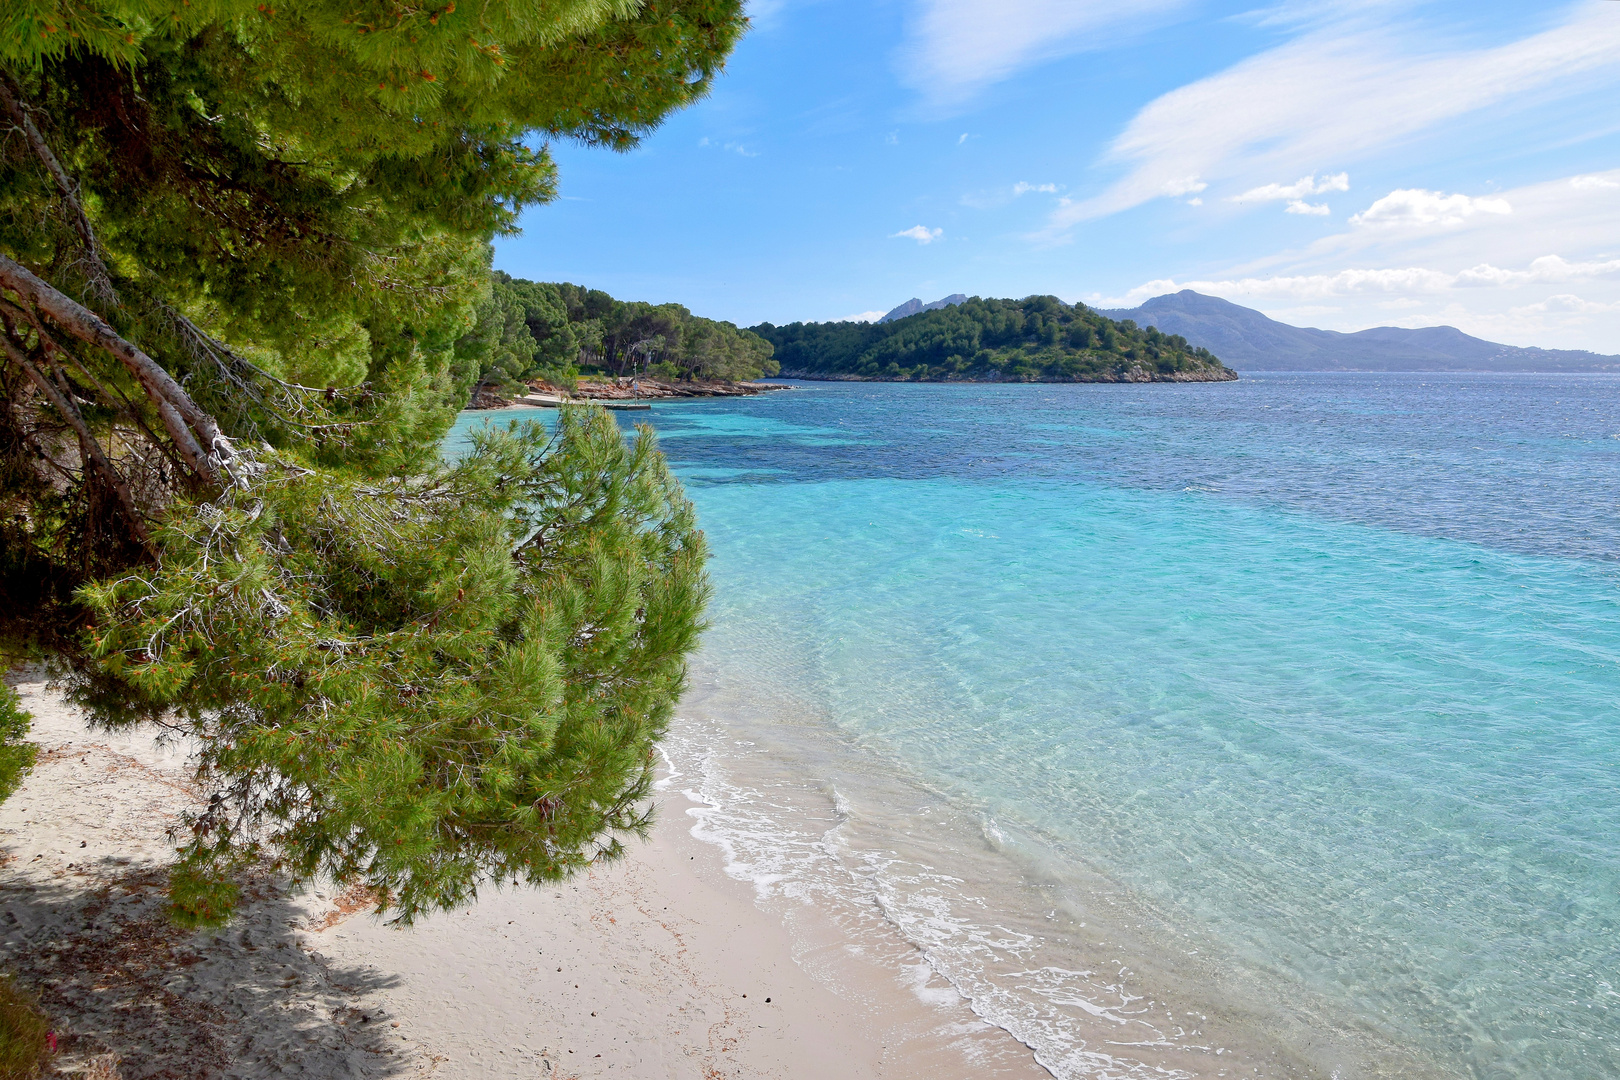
[1593,183]
[1299,189]
[1335,95]
[955,48]
[920,233]
[1416,208]
[1565,304]
[989,199]
[734,147]
[862,316]
[1295,194]
[1405,280]
[1534,265]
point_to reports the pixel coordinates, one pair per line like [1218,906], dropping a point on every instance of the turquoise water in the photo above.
[1296,696]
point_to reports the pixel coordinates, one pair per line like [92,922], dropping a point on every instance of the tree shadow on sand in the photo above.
[252,999]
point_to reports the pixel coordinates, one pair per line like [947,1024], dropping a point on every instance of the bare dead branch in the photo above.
[101,285]
[212,456]
[88,446]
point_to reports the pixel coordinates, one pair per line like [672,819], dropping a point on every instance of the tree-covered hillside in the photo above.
[536,329]
[1037,339]
[244,290]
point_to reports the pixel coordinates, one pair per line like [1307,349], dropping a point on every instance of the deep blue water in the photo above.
[1320,668]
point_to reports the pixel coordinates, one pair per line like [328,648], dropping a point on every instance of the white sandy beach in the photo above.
[658,966]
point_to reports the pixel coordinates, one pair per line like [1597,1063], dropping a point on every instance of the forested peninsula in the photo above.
[1037,339]
[556,332]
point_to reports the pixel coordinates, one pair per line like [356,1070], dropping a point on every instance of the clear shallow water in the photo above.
[1274,718]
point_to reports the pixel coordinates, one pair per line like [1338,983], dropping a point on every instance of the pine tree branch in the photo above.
[88,446]
[196,341]
[101,285]
[114,397]
[181,416]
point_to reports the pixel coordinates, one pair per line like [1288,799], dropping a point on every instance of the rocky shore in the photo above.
[487,397]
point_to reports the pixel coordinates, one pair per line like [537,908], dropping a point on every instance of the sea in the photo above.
[1267,728]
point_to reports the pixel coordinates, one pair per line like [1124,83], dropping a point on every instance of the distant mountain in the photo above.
[915,306]
[1247,340]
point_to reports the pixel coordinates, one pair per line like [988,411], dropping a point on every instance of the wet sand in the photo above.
[658,966]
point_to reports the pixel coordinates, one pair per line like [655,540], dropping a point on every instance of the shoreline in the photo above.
[611,394]
[666,961]
[1133,374]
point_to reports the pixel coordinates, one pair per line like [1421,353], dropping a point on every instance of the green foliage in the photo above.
[22,1033]
[16,756]
[571,327]
[1038,339]
[244,288]
[419,682]
[202,895]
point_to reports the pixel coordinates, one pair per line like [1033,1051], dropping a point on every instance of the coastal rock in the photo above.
[646,389]
[485,397]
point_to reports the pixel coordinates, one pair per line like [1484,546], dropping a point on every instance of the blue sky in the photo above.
[1336,164]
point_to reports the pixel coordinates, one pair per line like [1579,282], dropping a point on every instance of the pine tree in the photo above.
[243,273]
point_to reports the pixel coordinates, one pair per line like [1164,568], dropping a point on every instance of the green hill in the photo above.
[1037,339]
[557,331]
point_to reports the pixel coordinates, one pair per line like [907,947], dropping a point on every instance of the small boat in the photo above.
[626,406]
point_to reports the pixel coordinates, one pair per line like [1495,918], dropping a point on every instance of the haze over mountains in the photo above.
[1244,339]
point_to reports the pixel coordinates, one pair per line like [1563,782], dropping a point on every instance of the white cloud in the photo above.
[1195,202]
[1549,269]
[1337,93]
[1546,274]
[863,316]
[920,233]
[1299,189]
[954,48]
[1417,208]
[1183,185]
[1023,188]
[734,147]
[1299,206]
[962,138]
[1565,304]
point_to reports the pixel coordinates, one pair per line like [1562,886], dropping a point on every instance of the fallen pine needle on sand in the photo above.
[657,966]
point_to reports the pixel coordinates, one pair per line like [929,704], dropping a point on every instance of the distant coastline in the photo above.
[1131,374]
[1038,339]
[1251,341]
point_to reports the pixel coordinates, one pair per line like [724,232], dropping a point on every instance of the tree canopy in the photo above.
[571,328]
[1037,339]
[244,288]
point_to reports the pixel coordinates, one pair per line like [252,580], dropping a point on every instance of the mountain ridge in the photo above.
[1246,339]
[915,306]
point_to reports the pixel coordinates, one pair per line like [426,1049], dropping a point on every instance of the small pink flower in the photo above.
[50,1040]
